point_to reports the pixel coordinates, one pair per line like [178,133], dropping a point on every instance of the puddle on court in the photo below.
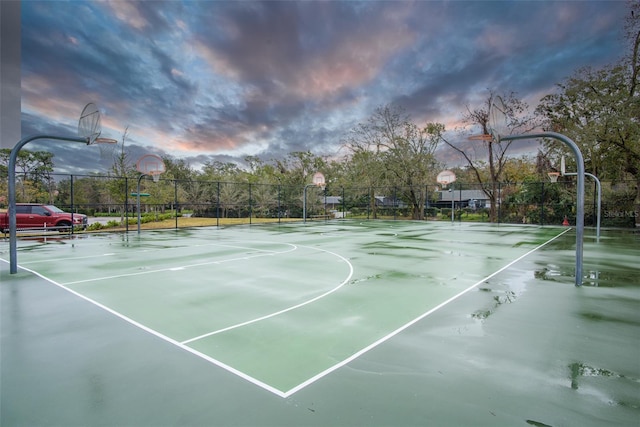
[608,386]
[504,297]
[599,317]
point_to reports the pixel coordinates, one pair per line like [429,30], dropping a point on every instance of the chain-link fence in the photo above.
[184,203]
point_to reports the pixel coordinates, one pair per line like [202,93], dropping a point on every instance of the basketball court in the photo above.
[330,323]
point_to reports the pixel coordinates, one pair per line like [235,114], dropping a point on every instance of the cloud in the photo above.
[224,80]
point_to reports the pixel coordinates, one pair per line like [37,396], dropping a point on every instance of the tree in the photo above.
[518,120]
[299,166]
[264,199]
[219,171]
[176,169]
[599,109]
[411,164]
[33,174]
[390,149]
[121,169]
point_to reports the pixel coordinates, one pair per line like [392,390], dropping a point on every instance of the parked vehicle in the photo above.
[44,217]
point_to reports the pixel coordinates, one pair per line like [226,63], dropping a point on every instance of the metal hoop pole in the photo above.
[304,202]
[13,245]
[599,187]
[138,200]
[580,190]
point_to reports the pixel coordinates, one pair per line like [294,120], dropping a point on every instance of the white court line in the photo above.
[67,259]
[183,345]
[319,375]
[412,322]
[162,336]
[268,316]
[182,267]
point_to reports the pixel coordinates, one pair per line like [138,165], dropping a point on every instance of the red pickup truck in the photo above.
[38,216]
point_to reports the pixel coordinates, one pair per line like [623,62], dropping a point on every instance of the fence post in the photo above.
[126,204]
[325,203]
[279,205]
[72,203]
[425,204]
[395,203]
[250,205]
[460,202]
[499,200]
[218,206]
[175,200]
[542,197]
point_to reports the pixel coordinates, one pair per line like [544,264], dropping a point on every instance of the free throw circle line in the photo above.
[182,267]
[277,313]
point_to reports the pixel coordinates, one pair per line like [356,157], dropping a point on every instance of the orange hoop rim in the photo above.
[105,141]
[485,137]
[553,176]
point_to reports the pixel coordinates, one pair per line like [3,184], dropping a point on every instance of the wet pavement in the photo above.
[525,347]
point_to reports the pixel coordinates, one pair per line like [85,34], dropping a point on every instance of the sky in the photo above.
[220,80]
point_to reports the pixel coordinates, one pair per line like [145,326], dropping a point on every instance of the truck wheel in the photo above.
[64,226]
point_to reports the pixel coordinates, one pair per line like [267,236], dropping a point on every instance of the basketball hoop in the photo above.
[152,165]
[105,141]
[553,176]
[89,125]
[498,124]
[446,177]
[485,137]
[318,180]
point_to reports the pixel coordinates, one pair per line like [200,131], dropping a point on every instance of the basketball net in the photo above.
[107,148]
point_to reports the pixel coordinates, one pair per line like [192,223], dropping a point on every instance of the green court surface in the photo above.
[333,323]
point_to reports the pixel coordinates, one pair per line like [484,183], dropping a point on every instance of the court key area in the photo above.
[323,323]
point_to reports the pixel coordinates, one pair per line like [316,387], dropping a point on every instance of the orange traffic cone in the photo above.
[566,221]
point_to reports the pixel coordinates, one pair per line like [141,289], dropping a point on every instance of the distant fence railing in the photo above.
[541,203]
